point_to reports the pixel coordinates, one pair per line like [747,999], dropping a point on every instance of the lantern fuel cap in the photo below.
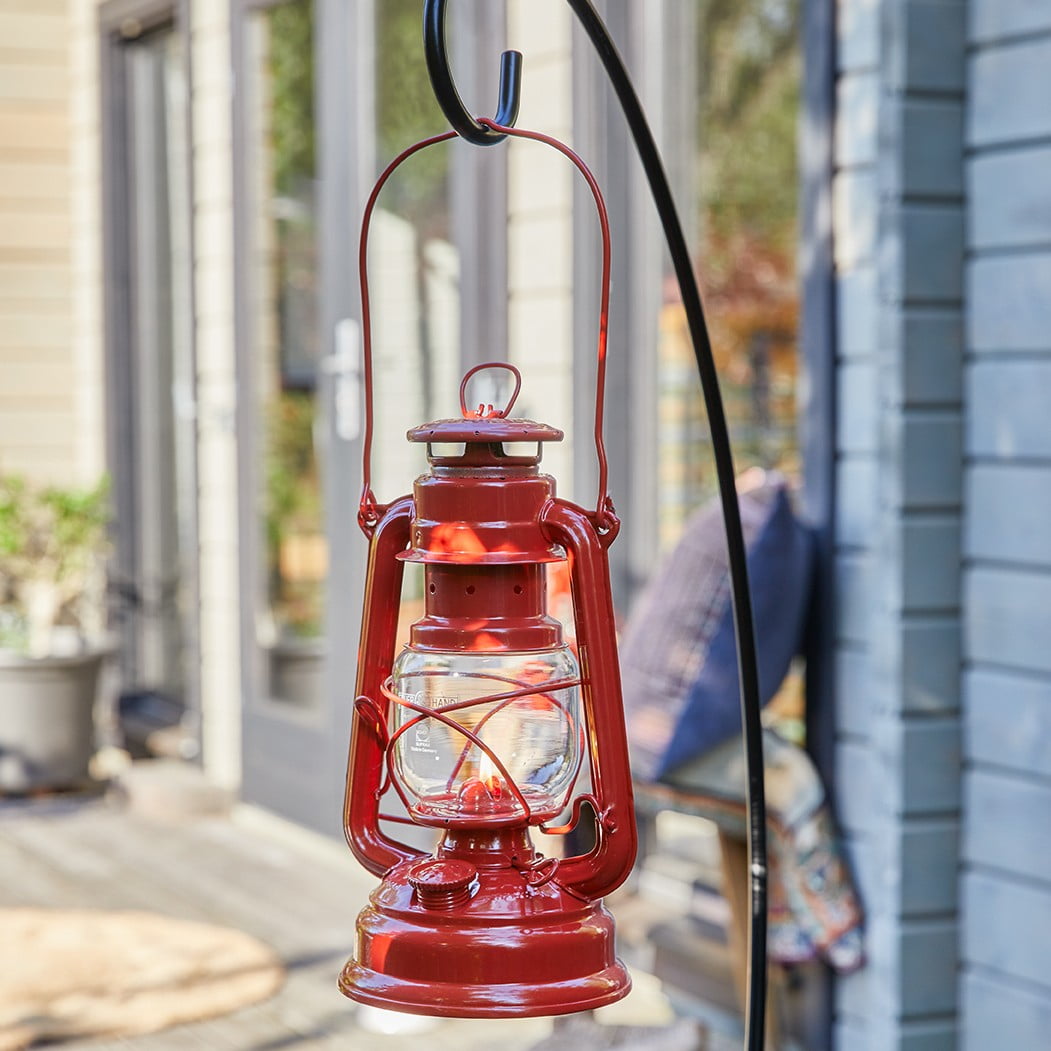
[442,885]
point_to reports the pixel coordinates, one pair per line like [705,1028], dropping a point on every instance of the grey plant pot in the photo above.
[297,668]
[47,725]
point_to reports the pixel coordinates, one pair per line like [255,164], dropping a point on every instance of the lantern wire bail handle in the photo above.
[437,51]
[370,510]
[649,155]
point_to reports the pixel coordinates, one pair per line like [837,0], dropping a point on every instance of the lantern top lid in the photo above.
[486,425]
[485,430]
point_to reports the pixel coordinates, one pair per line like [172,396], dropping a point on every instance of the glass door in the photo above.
[328,93]
[289,762]
[151,369]
[289,617]
[743,167]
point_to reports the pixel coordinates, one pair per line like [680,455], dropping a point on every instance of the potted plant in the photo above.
[53,546]
[297,552]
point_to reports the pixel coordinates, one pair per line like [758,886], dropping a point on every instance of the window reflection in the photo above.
[747,186]
[413,262]
[286,347]
[414,268]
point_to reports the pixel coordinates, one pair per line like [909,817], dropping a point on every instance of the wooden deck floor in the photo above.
[295,892]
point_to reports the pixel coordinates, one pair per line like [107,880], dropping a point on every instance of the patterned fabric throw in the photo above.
[813,909]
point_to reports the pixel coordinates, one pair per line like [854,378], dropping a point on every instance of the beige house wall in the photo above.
[38,432]
[85,200]
[540,229]
[216,389]
[79,371]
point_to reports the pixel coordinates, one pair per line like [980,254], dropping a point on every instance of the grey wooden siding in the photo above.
[1005,884]
[899,235]
[857,467]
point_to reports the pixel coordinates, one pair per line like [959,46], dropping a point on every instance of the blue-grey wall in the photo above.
[899,246]
[943,524]
[1006,864]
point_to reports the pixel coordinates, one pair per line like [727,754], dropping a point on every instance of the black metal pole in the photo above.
[620,79]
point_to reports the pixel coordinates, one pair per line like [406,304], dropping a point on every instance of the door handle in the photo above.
[344,365]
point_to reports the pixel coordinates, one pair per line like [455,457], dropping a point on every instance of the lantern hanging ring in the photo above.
[487,411]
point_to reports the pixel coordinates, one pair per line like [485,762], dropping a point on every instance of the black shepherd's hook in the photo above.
[437,52]
[470,129]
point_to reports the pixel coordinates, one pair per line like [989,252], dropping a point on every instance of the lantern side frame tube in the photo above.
[598,873]
[376,851]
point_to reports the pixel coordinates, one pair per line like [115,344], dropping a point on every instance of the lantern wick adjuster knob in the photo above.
[487,411]
[443,884]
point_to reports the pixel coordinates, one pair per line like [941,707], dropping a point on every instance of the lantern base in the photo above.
[509,950]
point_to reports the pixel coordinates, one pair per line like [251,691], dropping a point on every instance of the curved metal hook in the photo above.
[436,49]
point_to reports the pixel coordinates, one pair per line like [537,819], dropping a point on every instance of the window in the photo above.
[745,193]
[284,342]
[150,363]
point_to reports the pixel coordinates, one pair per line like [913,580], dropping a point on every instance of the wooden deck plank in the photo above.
[92,855]
[301,898]
[202,875]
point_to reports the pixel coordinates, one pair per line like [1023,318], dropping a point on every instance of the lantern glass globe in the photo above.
[533,737]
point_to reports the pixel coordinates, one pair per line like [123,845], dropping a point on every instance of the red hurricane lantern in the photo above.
[482,723]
